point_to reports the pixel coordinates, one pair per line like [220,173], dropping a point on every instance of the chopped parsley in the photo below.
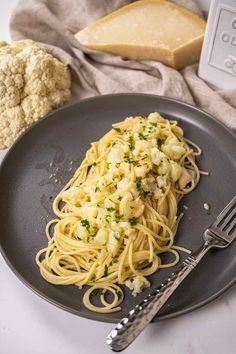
[107,217]
[95,164]
[119,197]
[85,223]
[111,209]
[97,189]
[144,157]
[142,137]
[51,197]
[119,217]
[78,238]
[94,292]
[160,141]
[105,274]
[93,277]
[131,143]
[133,221]
[153,124]
[118,130]
[138,183]
[145,194]
[128,159]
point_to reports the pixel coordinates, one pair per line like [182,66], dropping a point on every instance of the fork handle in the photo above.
[137,319]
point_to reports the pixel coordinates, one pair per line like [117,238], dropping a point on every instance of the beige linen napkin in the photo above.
[54,23]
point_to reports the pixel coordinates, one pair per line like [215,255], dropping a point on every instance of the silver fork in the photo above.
[219,235]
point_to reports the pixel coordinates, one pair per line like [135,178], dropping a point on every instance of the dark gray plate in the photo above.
[45,157]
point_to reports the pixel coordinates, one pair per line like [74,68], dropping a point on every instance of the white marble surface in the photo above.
[29,325]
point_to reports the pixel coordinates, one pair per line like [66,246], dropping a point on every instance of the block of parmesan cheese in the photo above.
[148,30]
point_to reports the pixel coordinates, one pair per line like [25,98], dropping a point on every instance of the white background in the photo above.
[29,325]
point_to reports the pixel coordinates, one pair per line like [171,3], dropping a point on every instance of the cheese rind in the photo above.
[148,30]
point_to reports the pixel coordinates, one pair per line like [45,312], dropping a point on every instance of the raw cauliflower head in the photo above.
[32,83]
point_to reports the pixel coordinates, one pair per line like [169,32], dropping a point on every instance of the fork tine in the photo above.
[226,222]
[224,212]
[231,227]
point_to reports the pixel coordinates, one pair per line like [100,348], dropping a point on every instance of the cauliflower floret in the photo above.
[12,124]
[157,193]
[11,80]
[113,242]
[177,131]
[115,226]
[164,167]
[138,284]
[59,97]
[173,148]
[100,216]
[108,178]
[142,171]
[125,148]
[154,117]
[131,208]
[83,233]
[72,195]
[136,208]
[125,202]
[175,171]
[161,181]
[88,211]
[140,146]
[45,75]
[148,184]
[33,82]
[185,178]
[123,184]
[157,156]
[101,237]
[125,225]
[35,107]
[113,170]
[115,155]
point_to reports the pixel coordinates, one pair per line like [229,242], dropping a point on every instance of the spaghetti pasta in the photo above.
[118,213]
